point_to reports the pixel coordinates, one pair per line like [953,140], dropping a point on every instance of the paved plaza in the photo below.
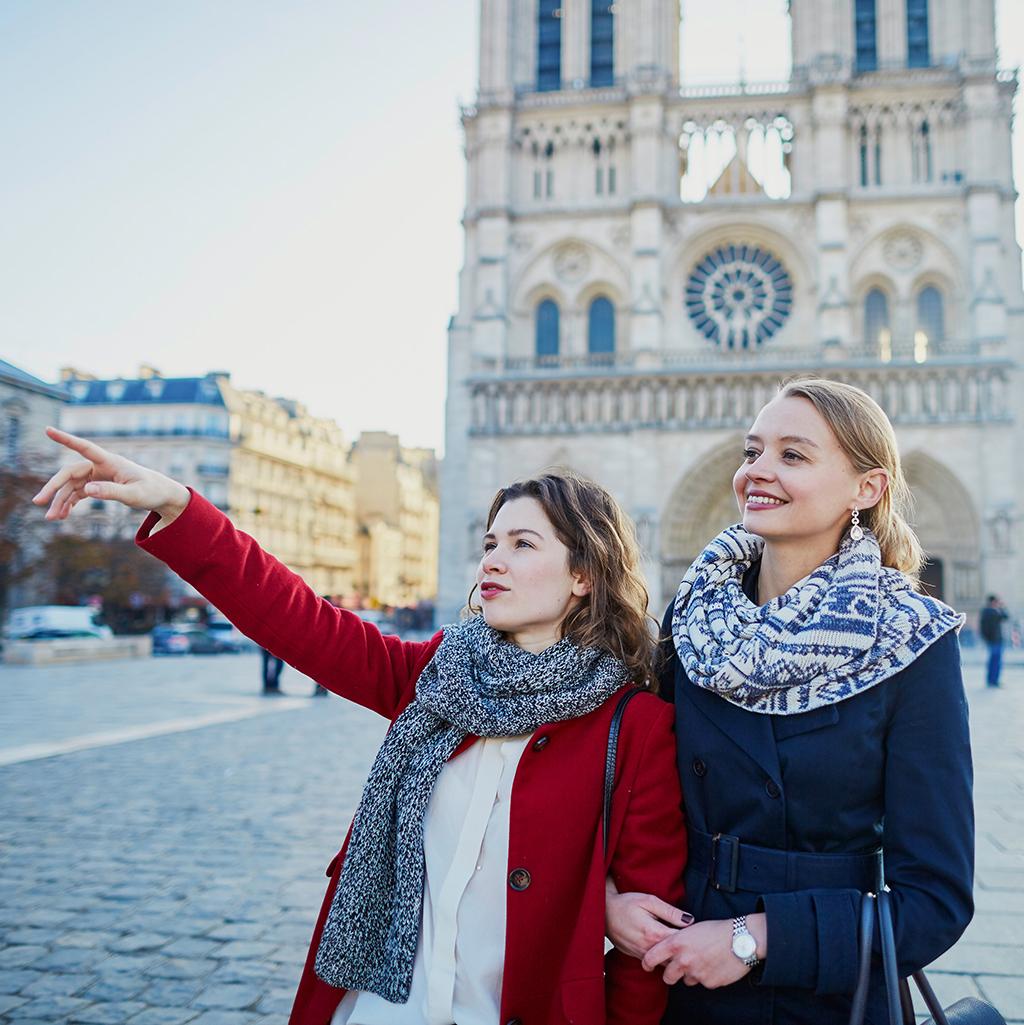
[164,833]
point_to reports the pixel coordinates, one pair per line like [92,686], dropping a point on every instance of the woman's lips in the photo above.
[491,591]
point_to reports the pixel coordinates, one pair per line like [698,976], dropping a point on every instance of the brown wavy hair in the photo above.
[602,548]
[866,436]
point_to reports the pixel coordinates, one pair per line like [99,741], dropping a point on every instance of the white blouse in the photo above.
[460,954]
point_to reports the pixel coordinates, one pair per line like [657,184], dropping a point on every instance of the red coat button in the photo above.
[519,879]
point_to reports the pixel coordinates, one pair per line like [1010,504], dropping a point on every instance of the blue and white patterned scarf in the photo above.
[847,626]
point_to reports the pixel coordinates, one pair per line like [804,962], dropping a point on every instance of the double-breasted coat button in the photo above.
[519,879]
[771,788]
[540,743]
[699,768]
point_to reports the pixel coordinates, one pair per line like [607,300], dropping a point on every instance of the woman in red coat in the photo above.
[471,887]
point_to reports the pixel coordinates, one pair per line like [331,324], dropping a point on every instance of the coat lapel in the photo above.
[750,731]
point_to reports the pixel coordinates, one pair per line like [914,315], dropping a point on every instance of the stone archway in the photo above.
[700,506]
[948,527]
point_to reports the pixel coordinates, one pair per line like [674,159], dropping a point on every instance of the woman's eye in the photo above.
[791,455]
[488,546]
[750,453]
[525,544]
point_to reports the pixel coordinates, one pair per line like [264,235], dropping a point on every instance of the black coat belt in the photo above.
[732,865]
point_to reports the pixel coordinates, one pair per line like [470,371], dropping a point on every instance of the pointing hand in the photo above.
[105,475]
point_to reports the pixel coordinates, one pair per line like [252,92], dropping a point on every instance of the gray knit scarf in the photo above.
[849,625]
[476,684]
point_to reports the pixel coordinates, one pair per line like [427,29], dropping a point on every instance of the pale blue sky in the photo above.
[264,187]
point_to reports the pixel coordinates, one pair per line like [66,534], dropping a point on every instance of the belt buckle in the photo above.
[734,861]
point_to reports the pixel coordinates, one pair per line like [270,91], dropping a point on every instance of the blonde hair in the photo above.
[603,548]
[866,436]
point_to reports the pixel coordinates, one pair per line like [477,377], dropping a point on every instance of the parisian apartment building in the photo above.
[284,476]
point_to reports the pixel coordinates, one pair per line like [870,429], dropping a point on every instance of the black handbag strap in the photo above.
[897,991]
[610,759]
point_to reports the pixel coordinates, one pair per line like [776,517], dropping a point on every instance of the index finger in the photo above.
[89,449]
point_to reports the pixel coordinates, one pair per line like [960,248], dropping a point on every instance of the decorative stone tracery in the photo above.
[739,296]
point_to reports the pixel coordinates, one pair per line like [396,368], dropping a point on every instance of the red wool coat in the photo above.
[555,971]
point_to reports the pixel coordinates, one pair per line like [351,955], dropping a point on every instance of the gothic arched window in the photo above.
[876,317]
[918,55]
[865,33]
[931,317]
[547,331]
[921,152]
[549,45]
[601,327]
[602,43]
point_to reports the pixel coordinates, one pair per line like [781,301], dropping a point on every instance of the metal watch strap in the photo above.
[739,928]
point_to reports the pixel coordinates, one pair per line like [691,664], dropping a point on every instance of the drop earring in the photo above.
[856,530]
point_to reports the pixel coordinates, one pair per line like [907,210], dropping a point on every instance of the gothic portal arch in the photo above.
[700,506]
[949,528]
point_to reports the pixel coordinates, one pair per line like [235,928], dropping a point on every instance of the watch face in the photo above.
[744,946]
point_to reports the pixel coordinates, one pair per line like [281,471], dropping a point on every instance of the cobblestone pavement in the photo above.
[174,878]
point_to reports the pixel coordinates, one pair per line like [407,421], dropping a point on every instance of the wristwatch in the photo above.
[744,946]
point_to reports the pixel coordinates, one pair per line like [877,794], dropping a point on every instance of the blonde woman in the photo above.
[820,719]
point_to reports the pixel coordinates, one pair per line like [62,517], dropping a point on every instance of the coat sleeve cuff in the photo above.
[837,927]
[792,940]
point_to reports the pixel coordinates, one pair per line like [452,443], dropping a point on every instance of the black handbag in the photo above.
[967,1011]
[609,761]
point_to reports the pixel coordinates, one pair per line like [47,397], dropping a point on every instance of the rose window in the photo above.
[739,296]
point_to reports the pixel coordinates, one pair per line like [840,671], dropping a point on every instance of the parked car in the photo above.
[381,619]
[44,622]
[190,639]
[231,638]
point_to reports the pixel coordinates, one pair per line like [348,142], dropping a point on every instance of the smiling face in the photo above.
[796,483]
[524,580]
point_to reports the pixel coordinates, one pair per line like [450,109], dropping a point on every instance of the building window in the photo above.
[922,152]
[931,318]
[876,322]
[543,170]
[739,296]
[602,42]
[547,331]
[864,178]
[549,45]
[917,34]
[604,169]
[865,28]
[12,440]
[601,328]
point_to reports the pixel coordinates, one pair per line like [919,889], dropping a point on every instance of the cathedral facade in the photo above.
[645,264]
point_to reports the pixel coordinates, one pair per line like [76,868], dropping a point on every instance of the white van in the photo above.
[38,622]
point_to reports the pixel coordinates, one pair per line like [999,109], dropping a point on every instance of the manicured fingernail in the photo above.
[686,917]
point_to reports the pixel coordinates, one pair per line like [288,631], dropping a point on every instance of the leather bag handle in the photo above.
[609,762]
[897,991]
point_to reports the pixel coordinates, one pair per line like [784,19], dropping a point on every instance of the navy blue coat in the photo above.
[889,766]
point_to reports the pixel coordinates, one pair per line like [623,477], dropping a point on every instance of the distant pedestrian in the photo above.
[272,666]
[992,617]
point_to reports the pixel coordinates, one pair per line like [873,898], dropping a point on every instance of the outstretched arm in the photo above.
[261,596]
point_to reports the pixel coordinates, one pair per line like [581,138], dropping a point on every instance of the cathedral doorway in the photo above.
[947,525]
[701,505]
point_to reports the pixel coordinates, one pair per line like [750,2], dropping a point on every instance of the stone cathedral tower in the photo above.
[645,263]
